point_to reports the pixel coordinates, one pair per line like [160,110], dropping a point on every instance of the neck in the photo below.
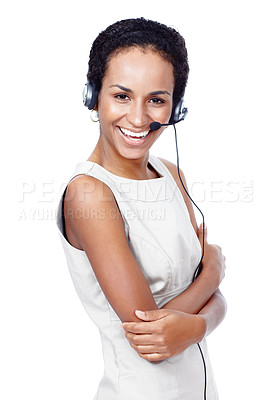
[137,168]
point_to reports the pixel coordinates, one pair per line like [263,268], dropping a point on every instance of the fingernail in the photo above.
[140,313]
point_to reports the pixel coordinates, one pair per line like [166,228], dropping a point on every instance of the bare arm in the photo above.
[214,312]
[165,333]
[98,227]
[193,299]
[171,330]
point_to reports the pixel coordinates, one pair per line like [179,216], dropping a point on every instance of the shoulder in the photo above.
[174,172]
[86,190]
[88,204]
[87,195]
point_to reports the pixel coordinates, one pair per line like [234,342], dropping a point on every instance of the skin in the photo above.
[127,100]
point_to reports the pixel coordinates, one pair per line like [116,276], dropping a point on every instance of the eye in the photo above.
[156,100]
[121,96]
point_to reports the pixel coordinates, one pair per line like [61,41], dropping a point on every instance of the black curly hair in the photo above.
[144,33]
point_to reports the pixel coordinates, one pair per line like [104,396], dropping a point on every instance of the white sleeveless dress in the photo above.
[166,248]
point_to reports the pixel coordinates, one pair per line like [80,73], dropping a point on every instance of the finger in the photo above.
[140,327]
[202,232]
[148,349]
[151,315]
[154,357]
[140,339]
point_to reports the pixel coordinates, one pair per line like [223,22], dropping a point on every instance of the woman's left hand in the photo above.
[164,333]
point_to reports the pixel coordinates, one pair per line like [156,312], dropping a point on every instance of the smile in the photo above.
[134,135]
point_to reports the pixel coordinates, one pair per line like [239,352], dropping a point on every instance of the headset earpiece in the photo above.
[90,95]
[177,112]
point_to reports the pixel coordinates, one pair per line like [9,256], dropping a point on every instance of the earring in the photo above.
[94,116]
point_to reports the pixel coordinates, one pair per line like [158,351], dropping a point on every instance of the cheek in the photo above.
[109,112]
[161,114]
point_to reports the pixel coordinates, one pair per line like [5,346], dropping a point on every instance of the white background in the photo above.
[50,349]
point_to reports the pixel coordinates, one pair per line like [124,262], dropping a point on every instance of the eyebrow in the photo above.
[131,91]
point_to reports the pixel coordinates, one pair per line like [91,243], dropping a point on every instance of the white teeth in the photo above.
[129,133]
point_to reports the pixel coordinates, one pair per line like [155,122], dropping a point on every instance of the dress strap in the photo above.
[163,170]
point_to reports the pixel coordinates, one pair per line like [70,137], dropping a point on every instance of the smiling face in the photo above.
[137,89]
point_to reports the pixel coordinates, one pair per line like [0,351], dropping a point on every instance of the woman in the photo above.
[128,228]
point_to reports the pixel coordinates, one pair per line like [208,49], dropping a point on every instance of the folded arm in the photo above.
[165,333]
[187,318]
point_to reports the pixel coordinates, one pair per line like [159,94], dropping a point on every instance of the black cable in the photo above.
[205,371]
[199,267]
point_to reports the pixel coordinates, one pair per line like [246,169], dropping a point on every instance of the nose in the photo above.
[137,115]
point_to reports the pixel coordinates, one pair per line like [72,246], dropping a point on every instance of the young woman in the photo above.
[129,231]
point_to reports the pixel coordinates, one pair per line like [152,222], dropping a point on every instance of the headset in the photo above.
[90,97]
